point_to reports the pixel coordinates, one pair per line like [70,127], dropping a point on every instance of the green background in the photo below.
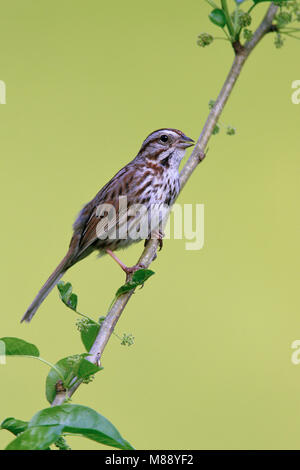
[86,82]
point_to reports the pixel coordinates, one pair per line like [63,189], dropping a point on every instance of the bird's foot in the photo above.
[132,269]
[158,235]
[129,270]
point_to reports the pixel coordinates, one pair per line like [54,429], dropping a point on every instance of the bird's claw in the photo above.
[157,235]
[129,270]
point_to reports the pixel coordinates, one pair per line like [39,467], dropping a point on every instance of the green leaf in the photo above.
[36,438]
[141,276]
[217,17]
[125,288]
[15,426]
[19,347]
[87,368]
[82,420]
[138,279]
[53,378]
[69,367]
[65,289]
[89,334]
[73,300]
[65,293]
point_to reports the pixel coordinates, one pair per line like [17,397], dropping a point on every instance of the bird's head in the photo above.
[166,147]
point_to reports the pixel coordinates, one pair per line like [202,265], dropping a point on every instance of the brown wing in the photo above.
[92,220]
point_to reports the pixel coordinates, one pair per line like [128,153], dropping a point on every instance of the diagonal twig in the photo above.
[197,156]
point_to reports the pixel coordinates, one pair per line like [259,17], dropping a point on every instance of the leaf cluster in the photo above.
[51,425]
[235,21]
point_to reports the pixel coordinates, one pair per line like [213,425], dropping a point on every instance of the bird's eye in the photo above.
[164,138]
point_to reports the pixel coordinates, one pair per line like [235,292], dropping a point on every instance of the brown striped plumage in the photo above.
[150,179]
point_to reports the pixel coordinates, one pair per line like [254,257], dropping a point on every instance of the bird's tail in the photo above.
[63,266]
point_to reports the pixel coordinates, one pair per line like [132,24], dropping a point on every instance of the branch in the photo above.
[198,154]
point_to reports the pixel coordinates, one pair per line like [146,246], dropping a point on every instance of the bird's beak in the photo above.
[186,142]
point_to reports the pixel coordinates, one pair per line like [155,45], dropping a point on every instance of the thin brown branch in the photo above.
[149,253]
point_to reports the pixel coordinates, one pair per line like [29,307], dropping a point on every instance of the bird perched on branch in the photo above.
[122,212]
